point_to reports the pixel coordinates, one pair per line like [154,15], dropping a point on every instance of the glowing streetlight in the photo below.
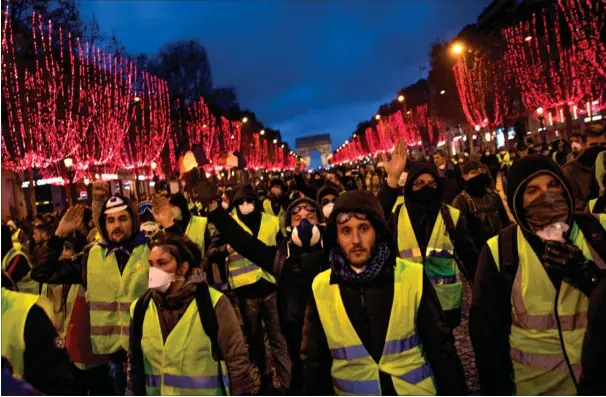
[457,48]
[262,132]
[204,126]
[245,120]
[528,38]
[378,117]
[68,162]
[282,146]
[86,181]
[355,135]
[153,165]
[401,98]
[442,92]
[275,141]
[477,127]
[540,111]
[137,99]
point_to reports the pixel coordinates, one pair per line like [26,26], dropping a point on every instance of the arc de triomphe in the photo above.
[307,144]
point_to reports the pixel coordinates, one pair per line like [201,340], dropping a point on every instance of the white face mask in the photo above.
[149,228]
[246,208]
[225,205]
[176,213]
[159,279]
[327,209]
[554,232]
[487,153]
[576,146]
[315,236]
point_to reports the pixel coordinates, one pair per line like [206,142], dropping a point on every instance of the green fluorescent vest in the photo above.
[196,229]
[439,263]
[110,295]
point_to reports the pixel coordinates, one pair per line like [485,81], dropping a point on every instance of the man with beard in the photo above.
[112,273]
[294,264]
[192,226]
[42,232]
[580,172]
[252,278]
[530,296]
[481,206]
[429,231]
[373,323]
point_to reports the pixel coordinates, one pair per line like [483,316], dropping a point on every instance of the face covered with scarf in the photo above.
[545,205]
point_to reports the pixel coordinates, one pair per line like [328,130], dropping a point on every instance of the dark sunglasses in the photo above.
[344,217]
[247,200]
[299,208]
[326,201]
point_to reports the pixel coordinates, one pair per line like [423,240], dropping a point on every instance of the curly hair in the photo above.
[180,247]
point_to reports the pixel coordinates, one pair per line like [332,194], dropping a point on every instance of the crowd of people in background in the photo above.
[345,280]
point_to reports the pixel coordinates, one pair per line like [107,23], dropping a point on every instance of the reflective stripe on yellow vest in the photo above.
[354,371]
[26,284]
[183,364]
[440,266]
[110,294]
[242,271]
[196,229]
[15,309]
[535,349]
[281,214]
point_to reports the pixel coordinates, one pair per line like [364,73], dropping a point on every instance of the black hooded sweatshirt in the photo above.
[423,217]
[490,315]
[368,306]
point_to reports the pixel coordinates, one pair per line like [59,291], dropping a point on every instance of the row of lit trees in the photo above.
[552,61]
[72,105]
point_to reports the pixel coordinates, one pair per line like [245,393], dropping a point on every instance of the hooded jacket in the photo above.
[325,191]
[490,315]
[581,177]
[368,306]
[179,200]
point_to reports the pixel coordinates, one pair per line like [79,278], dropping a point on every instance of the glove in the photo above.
[567,261]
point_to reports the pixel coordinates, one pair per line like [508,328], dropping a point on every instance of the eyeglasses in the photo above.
[420,183]
[299,208]
[344,217]
[326,201]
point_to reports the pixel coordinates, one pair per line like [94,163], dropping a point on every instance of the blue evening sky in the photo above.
[304,66]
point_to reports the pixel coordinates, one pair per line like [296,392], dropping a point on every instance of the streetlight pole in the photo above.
[543,133]
[69,166]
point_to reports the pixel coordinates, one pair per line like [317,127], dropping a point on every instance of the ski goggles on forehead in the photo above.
[306,207]
[144,208]
[344,217]
[326,201]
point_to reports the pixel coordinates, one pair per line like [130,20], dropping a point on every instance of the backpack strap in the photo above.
[450,229]
[210,325]
[509,259]
[595,234]
[136,350]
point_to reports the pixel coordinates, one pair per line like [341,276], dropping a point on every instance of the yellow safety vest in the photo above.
[242,271]
[281,215]
[535,350]
[440,266]
[110,295]
[15,236]
[399,201]
[26,284]
[15,309]
[592,204]
[196,229]
[183,364]
[354,371]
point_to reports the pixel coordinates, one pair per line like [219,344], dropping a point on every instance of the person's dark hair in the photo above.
[44,227]
[441,152]
[594,129]
[579,135]
[180,247]
[471,165]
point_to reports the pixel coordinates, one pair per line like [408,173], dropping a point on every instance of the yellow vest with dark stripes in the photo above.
[535,350]
[440,266]
[183,364]
[242,271]
[26,284]
[267,208]
[15,309]
[196,229]
[110,295]
[354,371]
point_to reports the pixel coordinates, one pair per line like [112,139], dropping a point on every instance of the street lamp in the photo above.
[275,141]
[477,128]
[401,98]
[153,165]
[442,92]
[69,166]
[540,111]
[528,38]
[457,48]
[378,117]
[262,132]
[245,120]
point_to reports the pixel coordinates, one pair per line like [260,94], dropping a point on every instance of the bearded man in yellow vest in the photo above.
[374,325]
[429,231]
[254,282]
[113,273]
[530,304]
[31,345]
[193,226]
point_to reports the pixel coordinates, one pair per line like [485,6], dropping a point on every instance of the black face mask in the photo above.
[477,185]
[425,196]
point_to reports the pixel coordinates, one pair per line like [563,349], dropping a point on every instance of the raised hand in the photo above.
[72,220]
[161,211]
[397,164]
[100,191]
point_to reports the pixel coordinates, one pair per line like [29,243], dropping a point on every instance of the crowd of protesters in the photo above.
[347,280]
